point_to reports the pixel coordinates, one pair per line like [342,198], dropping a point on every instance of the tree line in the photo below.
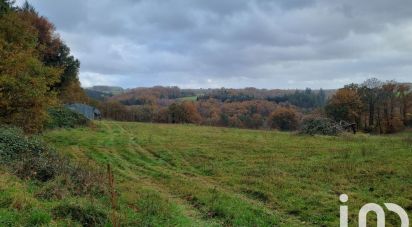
[255,114]
[307,99]
[375,106]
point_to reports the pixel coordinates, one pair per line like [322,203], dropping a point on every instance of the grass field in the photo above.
[188,98]
[205,176]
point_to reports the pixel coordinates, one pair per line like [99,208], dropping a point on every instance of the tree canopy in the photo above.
[36,68]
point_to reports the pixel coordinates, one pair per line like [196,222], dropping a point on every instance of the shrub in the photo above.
[284,119]
[42,167]
[14,144]
[321,126]
[27,157]
[61,117]
[85,215]
[73,180]
[30,158]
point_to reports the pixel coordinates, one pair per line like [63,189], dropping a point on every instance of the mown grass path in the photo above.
[189,175]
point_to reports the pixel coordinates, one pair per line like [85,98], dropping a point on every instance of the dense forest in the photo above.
[374,106]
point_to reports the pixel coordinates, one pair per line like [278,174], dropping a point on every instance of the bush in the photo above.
[61,117]
[284,119]
[14,144]
[321,126]
[27,157]
[74,180]
[42,167]
[30,158]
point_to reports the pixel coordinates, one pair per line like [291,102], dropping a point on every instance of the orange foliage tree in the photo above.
[284,118]
[345,105]
[24,80]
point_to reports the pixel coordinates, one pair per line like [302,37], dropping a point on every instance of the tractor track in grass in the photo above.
[145,182]
[221,176]
[172,171]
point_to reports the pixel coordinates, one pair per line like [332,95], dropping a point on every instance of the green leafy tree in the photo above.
[6,6]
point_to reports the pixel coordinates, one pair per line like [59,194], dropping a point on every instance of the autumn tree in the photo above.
[36,68]
[54,52]
[284,118]
[184,112]
[210,111]
[381,107]
[24,80]
[345,105]
[113,110]
[191,113]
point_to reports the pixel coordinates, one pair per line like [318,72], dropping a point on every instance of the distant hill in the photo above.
[103,92]
[97,95]
[113,90]
[144,95]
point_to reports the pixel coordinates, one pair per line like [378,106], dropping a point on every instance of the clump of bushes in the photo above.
[73,180]
[61,117]
[30,158]
[14,144]
[321,126]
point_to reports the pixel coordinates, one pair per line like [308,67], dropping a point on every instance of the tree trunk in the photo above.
[371,113]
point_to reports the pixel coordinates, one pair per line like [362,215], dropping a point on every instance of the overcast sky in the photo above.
[235,43]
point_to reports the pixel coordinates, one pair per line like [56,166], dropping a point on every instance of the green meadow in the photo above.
[188,98]
[188,175]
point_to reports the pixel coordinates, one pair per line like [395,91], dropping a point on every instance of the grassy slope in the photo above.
[190,175]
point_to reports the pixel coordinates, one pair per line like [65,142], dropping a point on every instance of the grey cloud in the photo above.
[235,43]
